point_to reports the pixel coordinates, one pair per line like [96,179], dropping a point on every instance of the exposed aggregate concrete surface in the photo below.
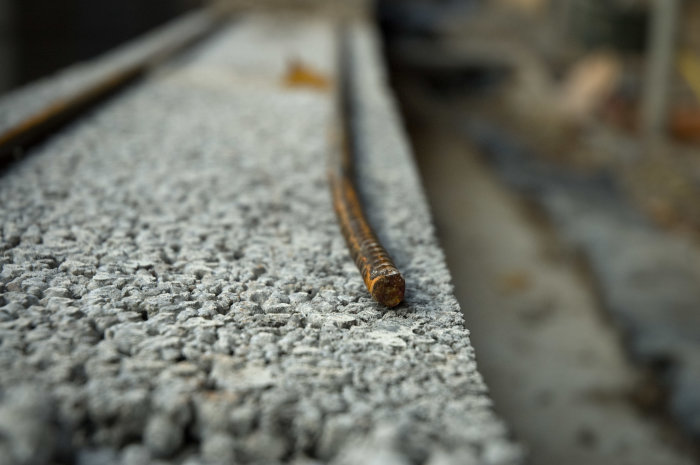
[175,288]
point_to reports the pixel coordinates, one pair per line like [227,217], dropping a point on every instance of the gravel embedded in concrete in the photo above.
[175,288]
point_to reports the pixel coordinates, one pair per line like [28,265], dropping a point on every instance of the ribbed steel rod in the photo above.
[59,112]
[383,280]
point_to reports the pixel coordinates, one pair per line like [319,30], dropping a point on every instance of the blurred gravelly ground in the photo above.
[175,288]
[647,277]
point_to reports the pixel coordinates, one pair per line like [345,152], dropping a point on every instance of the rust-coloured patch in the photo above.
[685,123]
[382,279]
[300,75]
[516,282]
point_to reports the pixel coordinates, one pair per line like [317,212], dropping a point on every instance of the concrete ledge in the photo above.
[175,286]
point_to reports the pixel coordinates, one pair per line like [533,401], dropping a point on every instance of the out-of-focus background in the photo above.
[559,145]
[558,142]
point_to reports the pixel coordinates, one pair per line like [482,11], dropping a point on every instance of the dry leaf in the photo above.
[300,75]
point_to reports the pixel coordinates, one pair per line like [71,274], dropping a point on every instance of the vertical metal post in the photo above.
[660,58]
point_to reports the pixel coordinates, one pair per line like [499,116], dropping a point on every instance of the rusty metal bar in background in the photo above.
[382,279]
[37,125]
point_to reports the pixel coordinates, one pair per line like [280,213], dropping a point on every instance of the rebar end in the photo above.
[388,290]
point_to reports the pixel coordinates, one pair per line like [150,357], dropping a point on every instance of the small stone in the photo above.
[162,436]
[219,448]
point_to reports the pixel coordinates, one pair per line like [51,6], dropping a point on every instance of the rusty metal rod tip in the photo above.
[388,290]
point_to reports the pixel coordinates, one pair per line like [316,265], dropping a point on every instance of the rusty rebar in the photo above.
[59,112]
[383,280]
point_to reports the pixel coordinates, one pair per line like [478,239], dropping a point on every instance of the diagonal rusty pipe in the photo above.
[382,279]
